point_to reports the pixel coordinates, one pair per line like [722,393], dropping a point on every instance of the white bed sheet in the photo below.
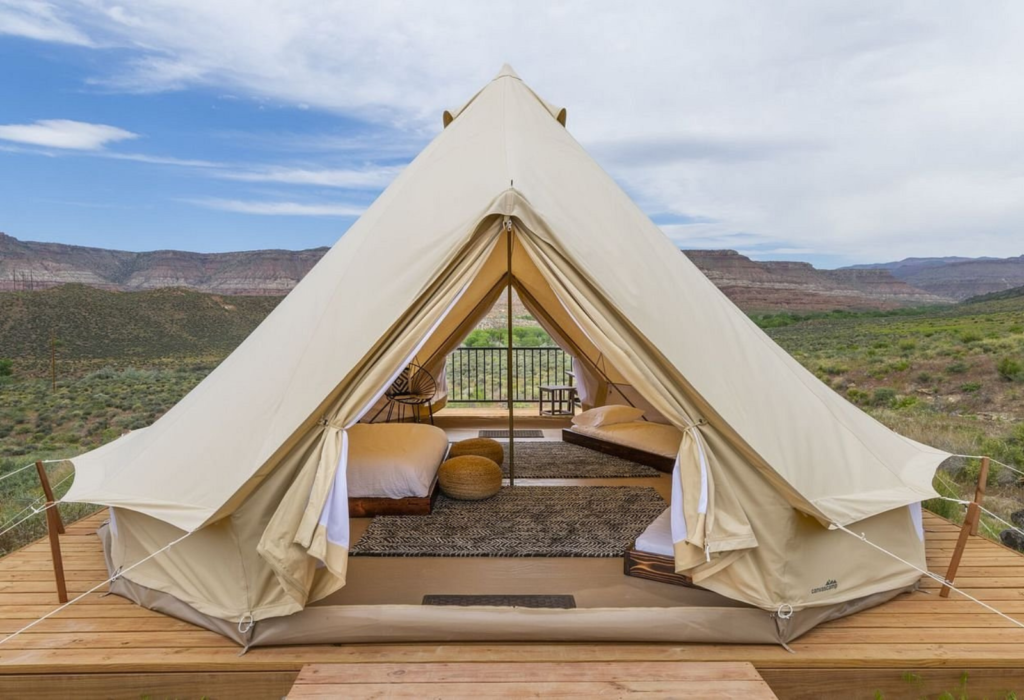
[657,438]
[657,538]
[394,460]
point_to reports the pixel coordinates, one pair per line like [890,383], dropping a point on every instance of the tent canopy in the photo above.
[253,459]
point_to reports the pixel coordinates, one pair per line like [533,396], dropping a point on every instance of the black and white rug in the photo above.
[562,460]
[525,521]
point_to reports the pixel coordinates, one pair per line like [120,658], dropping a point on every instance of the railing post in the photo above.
[45,481]
[979,491]
[970,526]
[53,527]
[970,521]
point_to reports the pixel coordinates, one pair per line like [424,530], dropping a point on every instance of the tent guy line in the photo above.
[925,572]
[117,574]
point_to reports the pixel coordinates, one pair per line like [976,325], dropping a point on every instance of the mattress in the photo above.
[656,438]
[657,538]
[394,460]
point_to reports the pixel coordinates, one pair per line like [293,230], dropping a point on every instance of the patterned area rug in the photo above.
[561,460]
[525,521]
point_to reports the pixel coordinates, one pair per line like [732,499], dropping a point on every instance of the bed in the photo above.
[652,556]
[645,442]
[392,468]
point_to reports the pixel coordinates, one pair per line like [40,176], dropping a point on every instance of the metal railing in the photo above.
[478,375]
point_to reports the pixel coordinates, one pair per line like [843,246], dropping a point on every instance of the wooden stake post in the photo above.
[970,526]
[54,528]
[45,481]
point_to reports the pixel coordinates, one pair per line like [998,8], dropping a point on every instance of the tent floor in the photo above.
[594,582]
[109,647]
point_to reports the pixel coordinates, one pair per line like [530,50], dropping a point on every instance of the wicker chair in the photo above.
[414,387]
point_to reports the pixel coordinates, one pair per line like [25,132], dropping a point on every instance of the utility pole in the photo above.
[53,363]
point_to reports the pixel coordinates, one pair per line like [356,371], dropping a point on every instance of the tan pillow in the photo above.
[607,415]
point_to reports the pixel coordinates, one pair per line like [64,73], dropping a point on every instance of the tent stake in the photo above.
[508,361]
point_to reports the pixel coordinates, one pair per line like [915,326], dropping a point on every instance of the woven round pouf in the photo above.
[481,447]
[469,478]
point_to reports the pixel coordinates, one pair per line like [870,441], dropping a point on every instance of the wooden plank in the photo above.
[198,639]
[873,683]
[499,672]
[584,680]
[899,656]
[712,690]
[133,686]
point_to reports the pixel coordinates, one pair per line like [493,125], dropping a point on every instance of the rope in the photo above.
[8,475]
[27,517]
[941,579]
[986,511]
[92,590]
[31,506]
[1013,469]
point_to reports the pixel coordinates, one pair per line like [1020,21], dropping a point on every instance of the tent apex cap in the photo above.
[507,72]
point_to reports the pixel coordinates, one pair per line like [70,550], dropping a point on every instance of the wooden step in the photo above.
[532,680]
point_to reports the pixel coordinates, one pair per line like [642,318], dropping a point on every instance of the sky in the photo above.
[835,133]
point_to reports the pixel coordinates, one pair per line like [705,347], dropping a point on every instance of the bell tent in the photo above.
[241,487]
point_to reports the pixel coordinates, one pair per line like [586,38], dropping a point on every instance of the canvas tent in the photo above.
[252,462]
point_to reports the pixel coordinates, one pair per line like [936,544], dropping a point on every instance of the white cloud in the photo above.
[162,160]
[278,208]
[861,130]
[366,178]
[38,20]
[64,133]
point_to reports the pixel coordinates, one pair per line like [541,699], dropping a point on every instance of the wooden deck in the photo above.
[106,646]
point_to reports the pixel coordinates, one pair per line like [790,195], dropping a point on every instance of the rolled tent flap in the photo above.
[311,523]
[646,370]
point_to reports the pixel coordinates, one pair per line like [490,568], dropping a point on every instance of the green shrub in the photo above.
[856,395]
[968,337]
[970,387]
[6,367]
[883,396]
[956,368]
[907,345]
[905,402]
[923,378]
[1009,369]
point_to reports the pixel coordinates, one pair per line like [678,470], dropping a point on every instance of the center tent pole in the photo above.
[508,360]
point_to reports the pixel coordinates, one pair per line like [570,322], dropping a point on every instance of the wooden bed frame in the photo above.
[659,462]
[653,567]
[367,507]
[411,505]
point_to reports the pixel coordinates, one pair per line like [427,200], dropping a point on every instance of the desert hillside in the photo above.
[754,286]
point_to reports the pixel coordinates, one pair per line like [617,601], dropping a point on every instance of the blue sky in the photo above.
[829,132]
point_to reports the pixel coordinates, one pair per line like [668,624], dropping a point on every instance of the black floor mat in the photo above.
[527,434]
[565,602]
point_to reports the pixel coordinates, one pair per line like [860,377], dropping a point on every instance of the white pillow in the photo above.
[607,415]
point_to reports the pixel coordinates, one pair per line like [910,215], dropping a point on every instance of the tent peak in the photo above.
[507,72]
